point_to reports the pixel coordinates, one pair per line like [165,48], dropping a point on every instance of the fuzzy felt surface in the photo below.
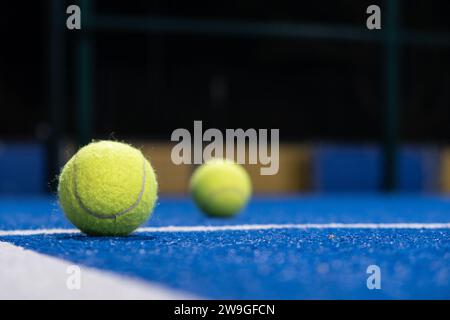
[221,187]
[107,188]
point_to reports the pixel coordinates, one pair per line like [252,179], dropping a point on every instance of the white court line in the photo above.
[249,227]
[246,227]
[29,275]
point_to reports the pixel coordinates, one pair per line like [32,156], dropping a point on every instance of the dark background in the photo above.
[148,85]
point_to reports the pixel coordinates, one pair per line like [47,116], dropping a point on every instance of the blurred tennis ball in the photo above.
[220,187]
[107,189]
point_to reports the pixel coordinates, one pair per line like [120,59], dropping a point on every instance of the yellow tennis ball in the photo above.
[107,189]
[220,187]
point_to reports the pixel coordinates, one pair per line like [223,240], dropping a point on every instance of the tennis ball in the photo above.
[220,187]
[107,189]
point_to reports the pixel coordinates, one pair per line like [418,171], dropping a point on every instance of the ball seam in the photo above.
[114,215]
[212,195]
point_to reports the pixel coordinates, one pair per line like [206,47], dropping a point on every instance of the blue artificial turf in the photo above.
[278,264]
[270,264]
[44,212]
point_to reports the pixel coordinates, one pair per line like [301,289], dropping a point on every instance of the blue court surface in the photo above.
[298,247]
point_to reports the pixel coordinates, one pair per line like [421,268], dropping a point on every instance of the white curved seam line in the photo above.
[116,215]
